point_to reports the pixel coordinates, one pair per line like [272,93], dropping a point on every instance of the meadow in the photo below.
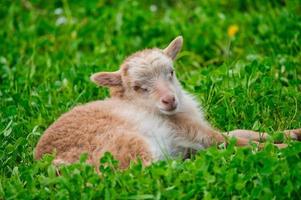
[241,60]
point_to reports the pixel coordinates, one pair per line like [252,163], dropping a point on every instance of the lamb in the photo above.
[149,116]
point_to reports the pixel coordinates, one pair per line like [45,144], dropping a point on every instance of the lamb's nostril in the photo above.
[165,101]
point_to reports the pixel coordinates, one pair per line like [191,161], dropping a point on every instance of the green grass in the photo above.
[251,81]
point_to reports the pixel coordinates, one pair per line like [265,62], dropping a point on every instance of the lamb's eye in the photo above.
[171,73]
[136,88]
[144,89]
[140,89]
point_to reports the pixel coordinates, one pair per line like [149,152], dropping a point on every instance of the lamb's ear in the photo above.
[174,47]
[108,79]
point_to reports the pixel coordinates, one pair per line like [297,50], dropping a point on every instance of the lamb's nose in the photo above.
[169,100]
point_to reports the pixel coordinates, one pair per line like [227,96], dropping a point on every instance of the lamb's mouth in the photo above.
[169,111]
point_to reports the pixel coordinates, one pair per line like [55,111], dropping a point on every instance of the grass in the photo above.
[252,80]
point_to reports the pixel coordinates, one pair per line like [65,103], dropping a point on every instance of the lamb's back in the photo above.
[82,129]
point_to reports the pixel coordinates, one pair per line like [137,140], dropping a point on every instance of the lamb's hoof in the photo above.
[59,162]
[281,146]
[294,134]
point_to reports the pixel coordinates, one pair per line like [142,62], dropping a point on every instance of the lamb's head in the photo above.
[147,78]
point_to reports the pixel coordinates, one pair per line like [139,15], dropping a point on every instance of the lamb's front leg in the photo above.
[195,133]
[198,133]
[294,134]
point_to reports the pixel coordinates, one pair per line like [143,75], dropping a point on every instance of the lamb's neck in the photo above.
[190,106]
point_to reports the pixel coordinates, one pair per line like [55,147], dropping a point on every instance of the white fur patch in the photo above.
[154,129]
[162,139]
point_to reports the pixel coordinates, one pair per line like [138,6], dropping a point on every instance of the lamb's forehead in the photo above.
[151,61]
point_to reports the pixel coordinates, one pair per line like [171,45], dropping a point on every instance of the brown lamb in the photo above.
[149,116]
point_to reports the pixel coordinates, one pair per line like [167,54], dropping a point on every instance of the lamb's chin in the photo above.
[166,112]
